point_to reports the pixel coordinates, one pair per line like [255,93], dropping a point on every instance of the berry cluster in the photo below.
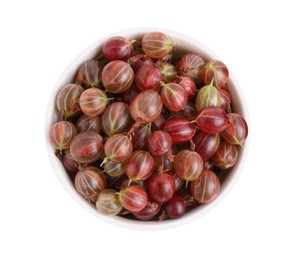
[145,133]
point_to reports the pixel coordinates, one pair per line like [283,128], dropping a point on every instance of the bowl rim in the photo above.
[115,220]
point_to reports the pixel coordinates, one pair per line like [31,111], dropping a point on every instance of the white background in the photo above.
[39,220]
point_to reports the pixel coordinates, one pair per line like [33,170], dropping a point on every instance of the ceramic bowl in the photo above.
[184,44]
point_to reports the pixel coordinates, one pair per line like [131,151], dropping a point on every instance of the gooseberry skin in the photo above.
[177,180]
[237,130]
[163,162]
[66,100]
[206,188]
[146,106]
[130,94]
[225,100]
[148,77]
[89,182]
[108,203]
[93,101]
[117,76]
[61,135]
[212,120]
[139,166]
[133,198]
[188,165]
[150,211]
[69,163]
[225,156]
[157,45]
[174,96]
[191,65]
[87,147]
[116,119]
[159,142]
[89,123]
[185,193]
[139,60]
[161,187]
[158,123]
[180,130]
[208,96]
[188,84]
[168,71]
[176,207]
[118,148]
[117,48]
[189,111]
[90,74]
[114,169]
[140,137]
[206,144]
[217,70]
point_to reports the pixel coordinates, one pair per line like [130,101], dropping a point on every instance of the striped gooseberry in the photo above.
[208,96]
[215,69]
[206,187]
[225,156]
[67,100]
[157,44]
[93,101]
[116,119]
[87,147]
[191,65]
[133,198]
[168,71]
[114,169]
[237,130]
[61,135]
[174,96]
[176,207]
[161,187]
[188,165]
[117,76]
[148,77]
[118,148]
[139,166]
[89,182]
[108,203]
[180,130]
[90,74]
[212,120]
[117,48]
[205,144]
[159,142]
[146,106]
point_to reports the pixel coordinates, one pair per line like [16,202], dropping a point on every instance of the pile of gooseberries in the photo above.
[147,133]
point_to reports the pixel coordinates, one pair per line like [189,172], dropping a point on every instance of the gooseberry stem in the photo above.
[170,156]
[136,124]
[106,159]
[130,181]
[192,145]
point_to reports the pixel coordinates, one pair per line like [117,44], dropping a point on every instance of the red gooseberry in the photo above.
[206,187]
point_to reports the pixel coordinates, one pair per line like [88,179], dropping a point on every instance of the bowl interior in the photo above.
[184,44]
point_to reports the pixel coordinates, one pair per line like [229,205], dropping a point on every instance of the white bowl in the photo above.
[185,44]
